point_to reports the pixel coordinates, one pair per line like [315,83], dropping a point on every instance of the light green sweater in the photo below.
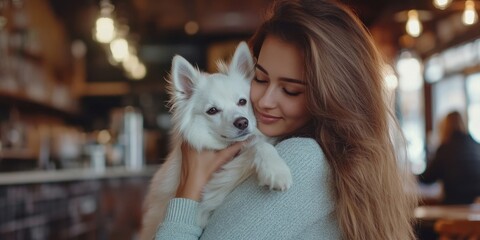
[305,211]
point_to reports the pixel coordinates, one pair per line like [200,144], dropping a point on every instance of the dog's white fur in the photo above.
[193,94]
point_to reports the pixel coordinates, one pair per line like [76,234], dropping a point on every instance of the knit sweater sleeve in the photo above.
[253,212]
[180,221]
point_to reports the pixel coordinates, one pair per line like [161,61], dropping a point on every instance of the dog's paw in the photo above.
[277,177]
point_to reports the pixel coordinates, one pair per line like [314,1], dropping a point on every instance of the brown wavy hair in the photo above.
[346,95]
[452,123]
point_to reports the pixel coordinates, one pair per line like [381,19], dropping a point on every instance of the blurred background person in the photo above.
[456,162]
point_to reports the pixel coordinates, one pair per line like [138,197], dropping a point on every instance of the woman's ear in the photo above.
[242,61]
[184,76]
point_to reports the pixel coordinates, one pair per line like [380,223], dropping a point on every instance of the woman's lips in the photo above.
[266,118]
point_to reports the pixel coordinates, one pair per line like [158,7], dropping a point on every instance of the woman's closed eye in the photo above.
[256,79]
[291,93]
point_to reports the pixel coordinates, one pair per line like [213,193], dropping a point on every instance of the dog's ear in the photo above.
[183,76]
[242,61]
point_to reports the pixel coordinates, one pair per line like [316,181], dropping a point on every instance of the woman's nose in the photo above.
[268,98]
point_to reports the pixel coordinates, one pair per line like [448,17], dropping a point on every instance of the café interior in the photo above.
[84,122]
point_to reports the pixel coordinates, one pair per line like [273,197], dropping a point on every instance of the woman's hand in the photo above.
[198,168]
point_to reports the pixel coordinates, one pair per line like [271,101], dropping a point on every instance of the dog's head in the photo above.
[213,110]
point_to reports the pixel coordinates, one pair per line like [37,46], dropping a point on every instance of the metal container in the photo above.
[133,138]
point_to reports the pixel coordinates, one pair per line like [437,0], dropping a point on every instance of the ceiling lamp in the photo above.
[114,37]
[413,19]
[104,30]
[105,26]
[119,49]
[414,26]
[442,4]
[469,16]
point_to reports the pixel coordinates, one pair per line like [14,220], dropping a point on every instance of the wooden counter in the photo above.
[469,212]
[434,221]
[27,177]
[73,204]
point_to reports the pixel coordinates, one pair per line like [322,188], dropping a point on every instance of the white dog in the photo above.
[212,111]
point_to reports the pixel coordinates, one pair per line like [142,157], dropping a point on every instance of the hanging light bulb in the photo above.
[104,29]
[441,4]
[413,26]
[119,49]
[105,26]
[469,16]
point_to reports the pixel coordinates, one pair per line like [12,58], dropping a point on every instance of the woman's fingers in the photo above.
[232,150]
[228,154]
[209,158]
[198,167]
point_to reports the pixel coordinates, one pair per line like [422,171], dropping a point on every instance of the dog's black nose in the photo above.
[241,123]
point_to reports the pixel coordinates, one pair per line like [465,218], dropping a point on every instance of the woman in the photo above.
[317,88]
[456,162]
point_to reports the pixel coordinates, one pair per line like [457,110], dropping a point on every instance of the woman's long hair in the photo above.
[346,95]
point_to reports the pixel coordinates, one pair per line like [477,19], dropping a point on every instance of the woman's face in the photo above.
[278,89]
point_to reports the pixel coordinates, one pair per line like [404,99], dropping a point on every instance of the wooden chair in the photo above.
[458,229]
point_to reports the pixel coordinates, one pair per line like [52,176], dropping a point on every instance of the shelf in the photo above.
[106,89]
[17,154]
[23,100]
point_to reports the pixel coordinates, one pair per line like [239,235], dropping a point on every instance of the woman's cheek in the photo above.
[254,92]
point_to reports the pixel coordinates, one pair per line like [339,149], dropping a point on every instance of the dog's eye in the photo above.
[242,102]
[212,111]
